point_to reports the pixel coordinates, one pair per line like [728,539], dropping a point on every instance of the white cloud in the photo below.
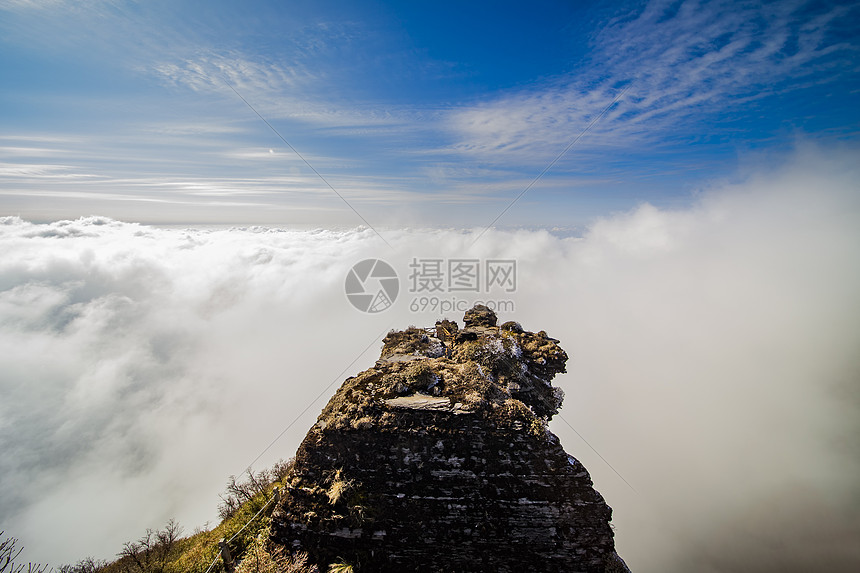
[216,72]
[30,4]
[713,363]
[680,61]
[19,151]
[36,171]
[278,90]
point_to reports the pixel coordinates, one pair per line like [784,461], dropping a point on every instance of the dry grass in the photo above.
[410,341]
[259,558]
[363,423]
[420,376]
[538,427]
[339,487]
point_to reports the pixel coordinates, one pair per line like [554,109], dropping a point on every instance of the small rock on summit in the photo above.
[438,458]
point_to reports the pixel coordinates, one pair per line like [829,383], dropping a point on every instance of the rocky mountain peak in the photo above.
[439,458]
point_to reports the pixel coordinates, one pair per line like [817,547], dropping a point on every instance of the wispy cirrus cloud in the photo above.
[21,151]
[214,72]
[295,91]
[683,65]
[30,4]
[36,171]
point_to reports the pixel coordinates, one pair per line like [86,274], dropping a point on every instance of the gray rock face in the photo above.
[443,462]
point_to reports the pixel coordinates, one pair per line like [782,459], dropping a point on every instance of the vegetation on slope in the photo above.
[245,511]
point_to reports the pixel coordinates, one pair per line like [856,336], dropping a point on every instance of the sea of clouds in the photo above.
[714,364]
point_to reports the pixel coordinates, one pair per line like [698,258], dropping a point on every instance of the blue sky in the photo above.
[418,113]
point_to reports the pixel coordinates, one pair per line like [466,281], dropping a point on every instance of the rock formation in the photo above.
[439,459]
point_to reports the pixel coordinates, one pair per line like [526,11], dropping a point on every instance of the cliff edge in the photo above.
[439,459]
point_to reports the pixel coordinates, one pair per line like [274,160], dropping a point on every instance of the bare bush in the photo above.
[241,492]
[87,565]
[9,551]
[152,552]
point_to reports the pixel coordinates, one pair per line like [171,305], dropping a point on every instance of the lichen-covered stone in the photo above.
[439,459]
[479,315]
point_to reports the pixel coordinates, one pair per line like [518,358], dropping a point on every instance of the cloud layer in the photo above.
[713,365]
